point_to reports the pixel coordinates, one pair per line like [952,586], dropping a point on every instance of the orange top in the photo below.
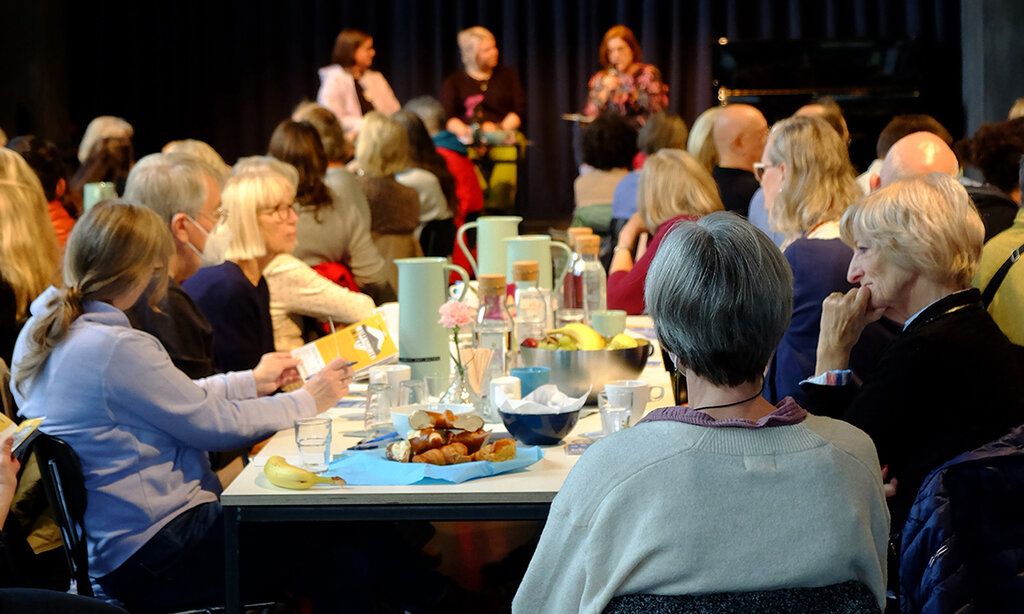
[62,222]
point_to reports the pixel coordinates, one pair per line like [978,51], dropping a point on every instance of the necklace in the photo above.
[740,402]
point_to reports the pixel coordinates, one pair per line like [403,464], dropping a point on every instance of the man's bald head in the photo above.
[917,154]
[739,135]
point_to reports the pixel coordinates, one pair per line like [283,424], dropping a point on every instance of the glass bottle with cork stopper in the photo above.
[595,281]
[531,307]
[493,325]
[570,305]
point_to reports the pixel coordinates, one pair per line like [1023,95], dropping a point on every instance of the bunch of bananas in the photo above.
[281,473]
[578,336]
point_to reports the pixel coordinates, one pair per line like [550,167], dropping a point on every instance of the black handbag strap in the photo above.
[997,280]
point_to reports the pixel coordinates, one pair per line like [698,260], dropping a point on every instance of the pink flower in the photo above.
[456,313]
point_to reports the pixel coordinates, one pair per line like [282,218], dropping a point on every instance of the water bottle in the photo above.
[531,306]
[570,307]
[377,417]
[493,325]
[595,281]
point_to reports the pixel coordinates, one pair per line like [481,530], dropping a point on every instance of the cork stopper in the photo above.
[588,244]
[576,232]
[525,270]
[491,283]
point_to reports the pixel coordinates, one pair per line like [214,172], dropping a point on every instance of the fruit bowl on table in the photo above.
[540,429]
[574,371]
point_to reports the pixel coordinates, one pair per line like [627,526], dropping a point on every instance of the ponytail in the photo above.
[48,330]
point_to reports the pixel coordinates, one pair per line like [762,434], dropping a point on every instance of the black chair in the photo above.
[850,597]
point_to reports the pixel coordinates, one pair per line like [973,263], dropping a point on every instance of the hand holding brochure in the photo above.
[23,433]
[366,344]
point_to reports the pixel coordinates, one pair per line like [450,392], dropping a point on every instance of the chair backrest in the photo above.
[851,597]
[65,488]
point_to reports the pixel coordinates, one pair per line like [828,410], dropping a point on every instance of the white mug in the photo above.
[633,393]
[510,387]
[395,374]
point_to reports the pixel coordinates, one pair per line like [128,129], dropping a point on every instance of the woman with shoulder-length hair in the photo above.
[140,427]
[674,187]
[808,182]
[916,245]
[484,92]
[258,205]
[730,494]
[29,256]
[381,152]
[625,85]
[349,88]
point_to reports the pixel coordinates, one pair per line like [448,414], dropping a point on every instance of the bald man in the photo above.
[739,133]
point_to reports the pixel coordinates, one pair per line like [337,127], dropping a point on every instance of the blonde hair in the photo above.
[100,128]
[1017,110]
[673,183]
[925,224]
[337,148]
[700,144]
[819,181]
[203,151]
[383,146]
[29,256]
[469,41]
[258,182]
[112,248]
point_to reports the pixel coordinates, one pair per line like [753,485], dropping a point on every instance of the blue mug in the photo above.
[531,378]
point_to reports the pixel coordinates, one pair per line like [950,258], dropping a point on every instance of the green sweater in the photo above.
[677,509]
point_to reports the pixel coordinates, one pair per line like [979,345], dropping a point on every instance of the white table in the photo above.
[522,495]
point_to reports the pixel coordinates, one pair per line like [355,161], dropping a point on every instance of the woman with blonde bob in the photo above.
[674,187]
[484,93]
[29,256]
[140,427]
[916,245]
[808,182]
[258,205]
[382,151]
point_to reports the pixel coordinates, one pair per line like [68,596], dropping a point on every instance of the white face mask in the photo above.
[216,244]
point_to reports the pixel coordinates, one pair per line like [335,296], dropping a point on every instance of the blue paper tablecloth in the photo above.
[370,468]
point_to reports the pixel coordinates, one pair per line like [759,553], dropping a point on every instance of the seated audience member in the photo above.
[349,88]
[339,233]
[808,183]
[296,290]
[185,192]
[995,150]
[915,155]
[699,143]
[112,393]
[1016,110]
[730,494]
[428,175]
[609,144]
[674,187]
[483,93]
[381,152]
[916,246]
[44,158]
[29,256]
[3,138]
[897,128]
[259,212]
[1005,297]
[739,134]
[106,154]
[662,131]
[203,151]
[468,191]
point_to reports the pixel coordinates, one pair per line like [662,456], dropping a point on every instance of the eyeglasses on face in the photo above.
[760,168]
[281,212]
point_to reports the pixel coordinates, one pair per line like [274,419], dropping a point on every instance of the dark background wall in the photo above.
[227,72]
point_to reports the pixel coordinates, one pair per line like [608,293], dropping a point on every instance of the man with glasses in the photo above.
[739,133]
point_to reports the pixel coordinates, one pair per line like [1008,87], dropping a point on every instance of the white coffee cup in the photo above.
[510,386]
[395,374]
[634,394]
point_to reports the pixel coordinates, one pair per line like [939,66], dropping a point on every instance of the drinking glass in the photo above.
[412,392]
[313,437]
[436,387]
[614,416]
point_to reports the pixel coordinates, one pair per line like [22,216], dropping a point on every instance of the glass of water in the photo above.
[412,392]
[614,416]
[313,437]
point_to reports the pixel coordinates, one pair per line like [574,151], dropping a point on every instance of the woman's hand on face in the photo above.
[843,318]
[9,467]
[330,384]
[633,228]
[275,370]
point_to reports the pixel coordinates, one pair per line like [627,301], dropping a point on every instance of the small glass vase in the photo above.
[460,392]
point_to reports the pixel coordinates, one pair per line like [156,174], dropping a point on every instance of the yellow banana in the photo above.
[282,474]
[621,341]
[586,338]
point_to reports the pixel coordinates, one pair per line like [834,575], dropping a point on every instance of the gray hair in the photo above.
[721,296]
[430,112]
[170,183]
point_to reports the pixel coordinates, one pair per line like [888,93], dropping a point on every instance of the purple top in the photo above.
[786,413]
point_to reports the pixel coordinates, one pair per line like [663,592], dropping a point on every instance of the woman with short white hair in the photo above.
[950,381]
[484,93]
[258,207]
[731,493]
[808,182]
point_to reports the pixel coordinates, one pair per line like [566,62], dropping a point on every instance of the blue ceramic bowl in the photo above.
[540,429]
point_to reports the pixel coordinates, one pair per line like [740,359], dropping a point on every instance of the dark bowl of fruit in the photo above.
[579,358]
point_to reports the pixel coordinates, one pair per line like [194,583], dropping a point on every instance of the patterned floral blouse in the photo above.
[635,94]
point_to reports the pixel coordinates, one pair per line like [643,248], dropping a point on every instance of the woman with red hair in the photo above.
[625,85]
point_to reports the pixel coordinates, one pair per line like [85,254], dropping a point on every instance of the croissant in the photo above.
[497,452]
[447,455]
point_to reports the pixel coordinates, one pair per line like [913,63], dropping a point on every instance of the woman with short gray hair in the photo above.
[730,494]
